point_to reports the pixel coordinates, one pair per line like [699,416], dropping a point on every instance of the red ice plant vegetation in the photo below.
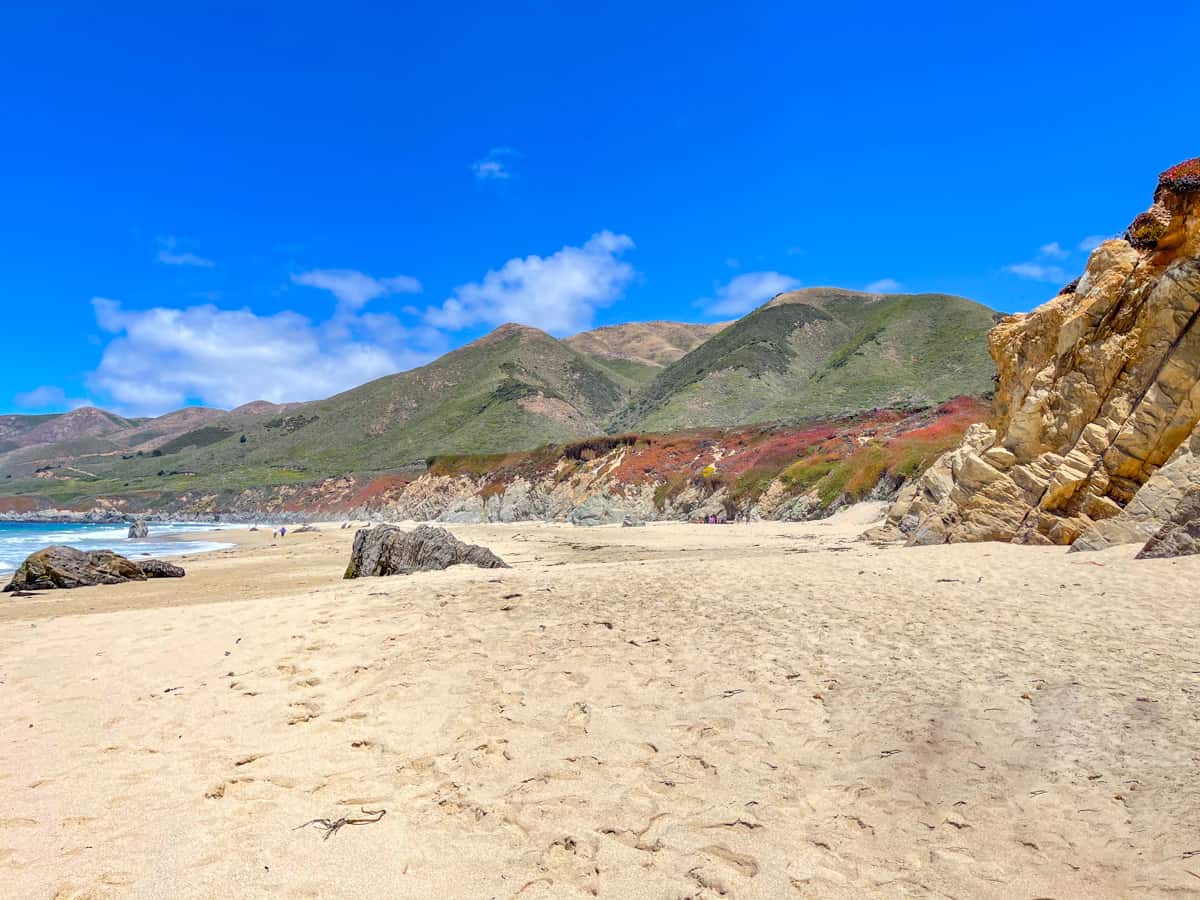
[846,454]
[1182,177]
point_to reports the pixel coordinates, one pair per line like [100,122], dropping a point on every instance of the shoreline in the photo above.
[130,547]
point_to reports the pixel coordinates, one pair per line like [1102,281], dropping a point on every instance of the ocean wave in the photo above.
[18,540]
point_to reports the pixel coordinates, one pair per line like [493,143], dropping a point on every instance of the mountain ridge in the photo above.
[822,351]
[514,389]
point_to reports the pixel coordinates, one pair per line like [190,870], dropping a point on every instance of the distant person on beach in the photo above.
[283,531]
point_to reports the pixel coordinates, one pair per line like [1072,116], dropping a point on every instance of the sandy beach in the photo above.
[767,710]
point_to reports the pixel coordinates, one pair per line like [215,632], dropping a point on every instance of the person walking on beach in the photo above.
[283,531]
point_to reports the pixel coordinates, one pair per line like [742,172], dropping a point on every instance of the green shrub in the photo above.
[670,489]
[201,437]
[867,466]
[751,484]
[831,486]
[473,464]
[803,474]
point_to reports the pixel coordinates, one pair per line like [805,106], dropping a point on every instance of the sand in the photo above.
[768,710]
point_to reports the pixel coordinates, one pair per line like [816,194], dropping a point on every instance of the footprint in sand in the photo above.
[579,716]
[741,863]
[573,861]
[303,711]
[217,791]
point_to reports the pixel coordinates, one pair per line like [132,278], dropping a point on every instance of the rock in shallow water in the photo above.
[387,550]
[66,567]
[139,529]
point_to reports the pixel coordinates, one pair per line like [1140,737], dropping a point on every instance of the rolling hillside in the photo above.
[652,344]
[822,351]
[804,354]
[515,388]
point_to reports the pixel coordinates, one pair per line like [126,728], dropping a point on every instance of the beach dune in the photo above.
[766,710]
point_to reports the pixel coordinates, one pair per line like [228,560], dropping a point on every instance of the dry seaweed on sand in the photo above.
[332,826]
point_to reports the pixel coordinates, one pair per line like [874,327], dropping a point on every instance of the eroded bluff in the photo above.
[1098,390]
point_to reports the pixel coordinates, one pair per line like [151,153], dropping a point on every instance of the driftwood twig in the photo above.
[332,826]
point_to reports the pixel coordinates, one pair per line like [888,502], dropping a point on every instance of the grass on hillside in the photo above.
[859,354]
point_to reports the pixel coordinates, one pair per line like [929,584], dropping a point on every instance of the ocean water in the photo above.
[19,539]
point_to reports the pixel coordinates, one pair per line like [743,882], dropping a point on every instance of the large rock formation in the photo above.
[139,529]
[1097,390]
[66,567]
[1180,535]
[1152,505]
[388,550]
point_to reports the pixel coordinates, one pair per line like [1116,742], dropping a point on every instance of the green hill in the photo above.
[822,351]
[804,354]
[516,388]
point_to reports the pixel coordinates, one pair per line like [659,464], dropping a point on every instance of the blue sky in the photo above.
[216,203]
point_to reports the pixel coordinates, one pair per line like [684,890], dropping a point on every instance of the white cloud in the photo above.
[355,289]
[163,358]
[167,255]
[559,293]
[744,292]
[1091,242]
[493,166]
[486,169]
[1040,268]
[1037,272]
[48,396]
[884,286]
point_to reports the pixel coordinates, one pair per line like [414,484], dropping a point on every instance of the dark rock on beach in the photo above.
[65,567]
[387,550]
[157,568]
[1180,534]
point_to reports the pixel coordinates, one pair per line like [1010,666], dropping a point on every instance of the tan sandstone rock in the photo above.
[1097,390]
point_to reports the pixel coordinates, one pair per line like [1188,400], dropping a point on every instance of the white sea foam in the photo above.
[19,539]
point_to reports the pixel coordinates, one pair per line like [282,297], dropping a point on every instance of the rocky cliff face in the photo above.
[785,472]
[1098,389]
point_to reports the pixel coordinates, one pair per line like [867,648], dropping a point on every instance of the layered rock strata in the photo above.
[1097,391]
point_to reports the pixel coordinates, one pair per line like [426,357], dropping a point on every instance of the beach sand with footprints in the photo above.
[767,710]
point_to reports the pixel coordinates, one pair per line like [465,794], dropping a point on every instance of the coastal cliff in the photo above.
[1093,438]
